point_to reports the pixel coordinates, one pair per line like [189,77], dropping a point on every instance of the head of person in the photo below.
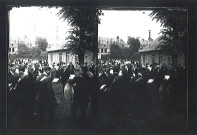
[21,68]
[64,65]
[47,70]
[84,70]
[53,64]
[31,70]
[124,70]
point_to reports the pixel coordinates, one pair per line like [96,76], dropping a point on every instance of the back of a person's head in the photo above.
[21,68]
[46,68]
[84,69]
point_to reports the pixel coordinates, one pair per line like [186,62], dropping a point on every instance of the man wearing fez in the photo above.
[45,96]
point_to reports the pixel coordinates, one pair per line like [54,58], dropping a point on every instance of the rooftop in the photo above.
[57,47]
[152,47]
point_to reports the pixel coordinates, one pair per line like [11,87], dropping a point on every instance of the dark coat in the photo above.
[46,96]
[64,73]
[24,95]
[82,89]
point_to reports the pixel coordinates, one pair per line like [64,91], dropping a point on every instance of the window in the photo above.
[67,58]
[51,57]
[105,50]
[101,50]
[153,59]
[144,59]
[60,57]
[9,49]
[12,49]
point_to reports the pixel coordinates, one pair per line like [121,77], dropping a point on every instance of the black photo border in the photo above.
[191,5]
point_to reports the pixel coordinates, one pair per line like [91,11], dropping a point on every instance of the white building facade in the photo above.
[13,47]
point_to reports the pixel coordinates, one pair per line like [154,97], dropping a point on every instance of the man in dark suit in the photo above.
[71,68]
[81,93]
[64,74]
[46,97]
[53,72]
[21,97]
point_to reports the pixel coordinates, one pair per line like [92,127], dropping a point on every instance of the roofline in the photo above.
[61,50]
[150,51]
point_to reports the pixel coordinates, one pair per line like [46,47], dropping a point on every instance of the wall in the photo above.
[157,57]
[53,57]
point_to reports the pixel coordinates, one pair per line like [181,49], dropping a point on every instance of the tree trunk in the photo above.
[81,58]
[81,53]
[174,59]
[95,42]
[175,52]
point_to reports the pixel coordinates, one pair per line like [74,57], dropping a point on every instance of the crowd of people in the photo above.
[120,92]
[31,94]
[132,93]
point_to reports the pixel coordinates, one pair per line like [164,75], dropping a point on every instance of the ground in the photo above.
[62,117]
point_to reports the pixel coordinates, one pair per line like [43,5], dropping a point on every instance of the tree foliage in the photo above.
[174,34]
[35,52]
[134,44]
[115,52]
[83,33]
[43,55]
[23,50]
[42,43]
[130,53]
[32,53]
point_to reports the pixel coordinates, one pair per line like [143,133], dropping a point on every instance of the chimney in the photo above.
[149,34]
[117,40]
[150,39]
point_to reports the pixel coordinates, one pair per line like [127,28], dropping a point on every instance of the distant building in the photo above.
[104,44]
[120,42]
[13,47]
[14,42]
[57,54]
[151,52]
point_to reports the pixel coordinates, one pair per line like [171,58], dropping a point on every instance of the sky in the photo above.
[35,22]
[128,23]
